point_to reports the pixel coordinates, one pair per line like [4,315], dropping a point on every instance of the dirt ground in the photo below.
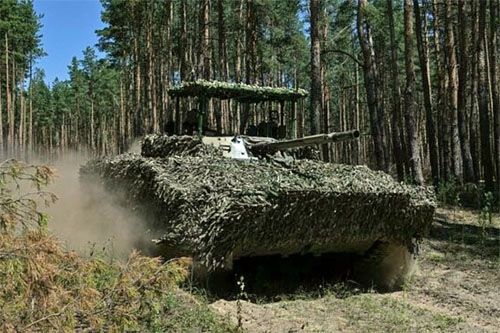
[456,288]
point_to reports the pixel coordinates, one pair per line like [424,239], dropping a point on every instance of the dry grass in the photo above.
[44,287]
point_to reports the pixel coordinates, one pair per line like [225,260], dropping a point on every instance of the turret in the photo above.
[247,147]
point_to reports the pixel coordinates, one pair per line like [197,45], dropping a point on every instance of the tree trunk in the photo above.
[443,126]
[222,41]
[183,41]
[92,126]
[357,125]
[251,43]
[153,126]
[137,88]
[223,66]
[410,110]
[396,97]
[22,117]
[316,85]
[166,66]
[493,48]
[484,121]
[237,61]
[325,100]
[452,93]
[205,38]
[1,121]
[8,105]
[30,122]
[122,135]
[462,94]
[426,84]
[250,58]
[473,121]
[370,72]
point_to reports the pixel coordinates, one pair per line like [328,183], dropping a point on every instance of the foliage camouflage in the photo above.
[214,207]
[163,145]
[239,91]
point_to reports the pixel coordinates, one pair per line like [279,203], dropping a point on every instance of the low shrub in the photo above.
[468,195]
[44,287]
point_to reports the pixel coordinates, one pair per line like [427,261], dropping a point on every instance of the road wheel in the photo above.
[385,266]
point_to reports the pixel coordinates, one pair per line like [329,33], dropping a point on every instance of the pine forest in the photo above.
[418,78]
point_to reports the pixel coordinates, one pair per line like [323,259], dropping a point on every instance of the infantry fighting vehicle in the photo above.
[226,197]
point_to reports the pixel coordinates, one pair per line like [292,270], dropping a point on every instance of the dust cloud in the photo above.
[90,220]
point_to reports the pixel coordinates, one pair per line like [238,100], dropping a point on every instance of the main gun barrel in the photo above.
[305,141]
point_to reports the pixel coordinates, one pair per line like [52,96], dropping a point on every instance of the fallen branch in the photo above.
[47,317]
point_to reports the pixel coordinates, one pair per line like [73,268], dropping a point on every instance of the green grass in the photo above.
[378,313]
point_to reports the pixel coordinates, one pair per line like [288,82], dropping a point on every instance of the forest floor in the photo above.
[456,288]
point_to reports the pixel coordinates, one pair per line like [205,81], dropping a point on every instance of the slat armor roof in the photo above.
[241,92]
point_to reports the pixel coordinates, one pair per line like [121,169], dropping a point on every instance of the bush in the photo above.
[485,217]
[471,195]
[44,287]
[447,192]
[468,195]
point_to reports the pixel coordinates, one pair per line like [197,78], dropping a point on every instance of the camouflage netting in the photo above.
[163,145]
[214,207]
[244,93]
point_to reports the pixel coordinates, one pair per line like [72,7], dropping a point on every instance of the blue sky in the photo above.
[68,28]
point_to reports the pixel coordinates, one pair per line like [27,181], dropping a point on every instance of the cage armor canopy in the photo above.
[247,94]
[244,93]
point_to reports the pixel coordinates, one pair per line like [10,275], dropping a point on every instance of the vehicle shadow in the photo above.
[275,278]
